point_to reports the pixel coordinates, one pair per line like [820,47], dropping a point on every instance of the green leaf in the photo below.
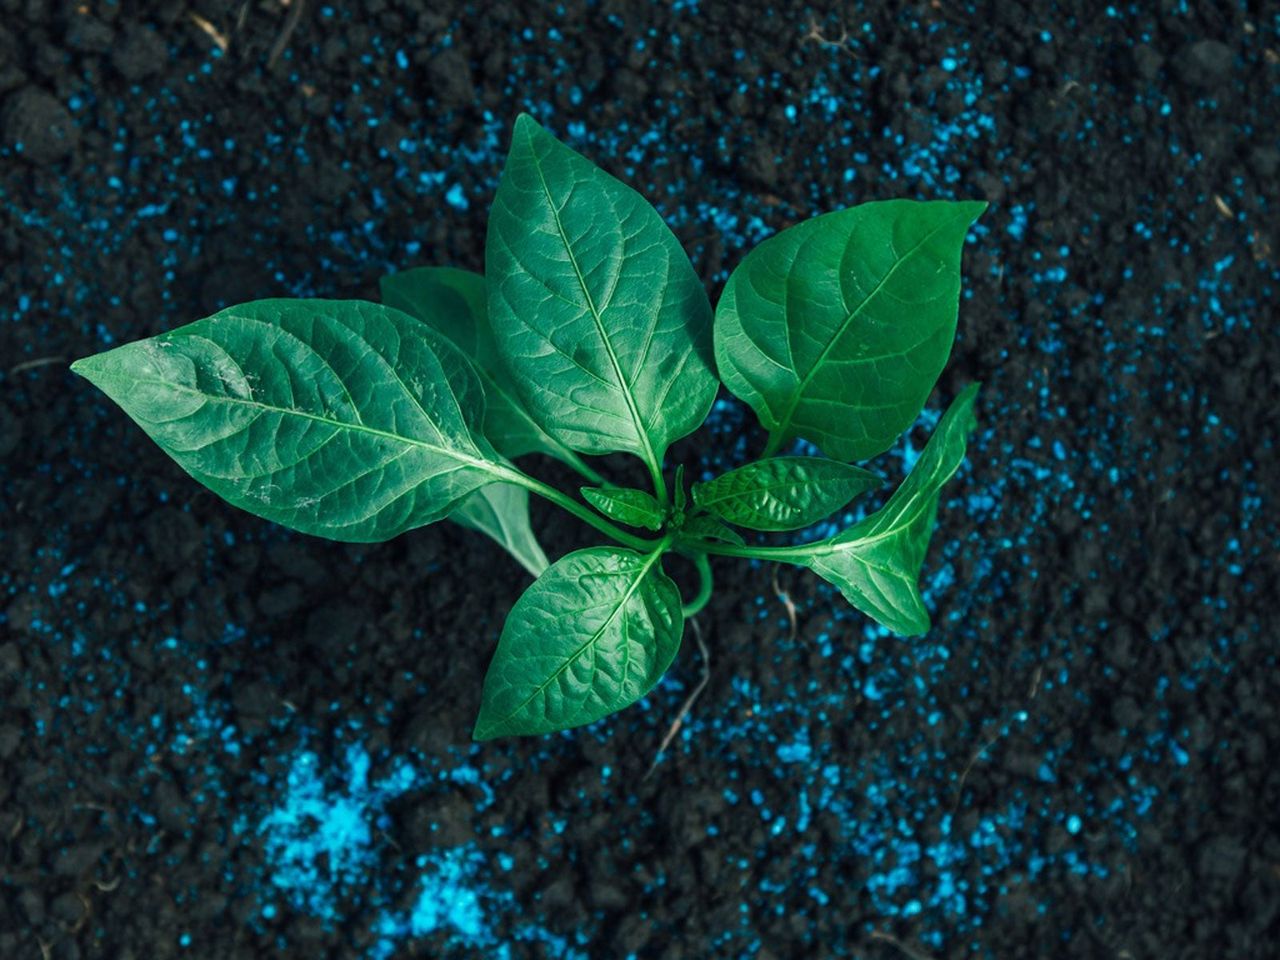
[836,329]
[876,562]
[341,419]
[501,512]
[635,508]
[591,636]
[706,527]
[599,314]
[783,493]
[452,302]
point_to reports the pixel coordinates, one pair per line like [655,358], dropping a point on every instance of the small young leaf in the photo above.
[591,636]
[783,493]
[836,329]
[635,508]
[707,527]
[601,319]
[341,419]
[501,512]
[452,302]
[876,562]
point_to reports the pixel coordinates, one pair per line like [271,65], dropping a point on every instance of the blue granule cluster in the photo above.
[239,723]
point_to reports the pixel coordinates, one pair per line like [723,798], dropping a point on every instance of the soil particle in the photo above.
[140,53]
[1221,859]
[451,81]
[1206,63]
[36,120]
[87,34]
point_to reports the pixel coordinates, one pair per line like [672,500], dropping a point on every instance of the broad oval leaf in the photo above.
[835,330]
[501,512]
[598,312]
[706,527]
[452,302]
[341,419]
[783,493]
[876,563]
[592,635]
[635,508]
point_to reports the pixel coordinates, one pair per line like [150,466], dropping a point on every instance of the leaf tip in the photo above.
[967,403]
[485,728]
[918,626]
[526,124]
[974,208]
[89,367]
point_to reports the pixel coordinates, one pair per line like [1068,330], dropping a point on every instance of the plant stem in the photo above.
[704,586]
[659,482]
[583,513]
[772,444]
[792,554]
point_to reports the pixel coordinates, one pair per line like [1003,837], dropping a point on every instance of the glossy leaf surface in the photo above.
[598,312]
[876,563]
[342,419]
[635,508]
[592,635]
[783,493]
[836,329]
[452,302]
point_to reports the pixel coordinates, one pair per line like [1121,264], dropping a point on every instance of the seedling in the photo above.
[589,334]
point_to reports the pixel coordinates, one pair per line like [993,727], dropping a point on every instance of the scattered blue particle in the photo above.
[1073,824]
[457,198]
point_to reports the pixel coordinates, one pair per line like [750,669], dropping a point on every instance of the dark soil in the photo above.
[218,739]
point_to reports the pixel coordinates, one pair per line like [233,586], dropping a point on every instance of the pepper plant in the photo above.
[588,334]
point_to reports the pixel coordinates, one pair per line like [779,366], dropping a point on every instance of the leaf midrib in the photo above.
[784,424]
[648,564]
[773,487]
[624,386]
[486,465]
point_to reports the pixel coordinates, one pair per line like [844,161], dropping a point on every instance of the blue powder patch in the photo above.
[455,901]
[320,841]
[451,900]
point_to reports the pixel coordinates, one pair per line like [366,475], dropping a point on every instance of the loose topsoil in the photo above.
[222,740]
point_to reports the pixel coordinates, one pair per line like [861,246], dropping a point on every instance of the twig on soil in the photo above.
[787,602]
[286,31]
[84,917]
[689,701]
[816,36]
[969,767]
[34,364]
[218,37]
[895,942]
